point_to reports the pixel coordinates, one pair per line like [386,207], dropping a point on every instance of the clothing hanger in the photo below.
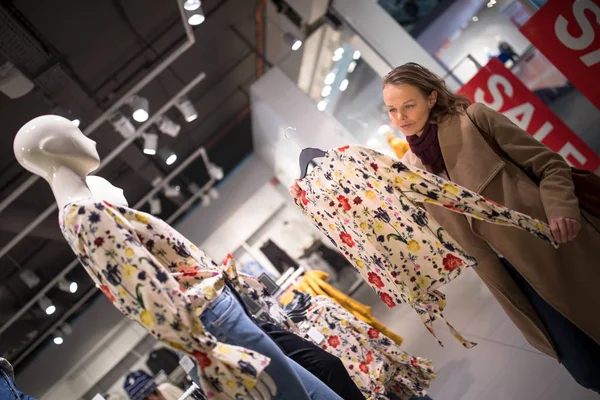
[307,155]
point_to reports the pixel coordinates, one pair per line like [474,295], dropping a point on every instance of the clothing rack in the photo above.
[193,391]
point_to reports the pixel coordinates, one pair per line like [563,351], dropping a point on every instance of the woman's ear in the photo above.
[432,99]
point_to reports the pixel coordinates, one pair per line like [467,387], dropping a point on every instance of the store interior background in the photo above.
[244,118]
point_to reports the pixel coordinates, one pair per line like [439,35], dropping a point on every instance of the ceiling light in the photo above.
[196,19]
[490,4]
[475,18]
[73,287]
[155,206]
[193,188]
[192,5]
[339,50]
[322,105]
[187,109]
[76,122]
[168,127]
[330,78]
[213,193]
[171,159]
[66,113]
[297,44]
[122,124]
[326,91]
[140,107]
[172,191]
[150,143]
[66,329]
[337,57]
[29,278]
[215,172]
[205,200]
[356,55]
[67,286]
[352,67]
[58,340]
[46,304]
[13,82]
[344,85]
[292,41]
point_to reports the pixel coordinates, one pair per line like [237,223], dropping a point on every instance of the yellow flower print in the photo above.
[363,225]
[332,227]
[146,318]
[325,331]
[413,246]
[144,219]
[249,383]
[193,247]
[360,264]
[399,179]
[423,282]
[378,226]
[369,194]
[231,384]
[129,252]
[412,176]
[128,270]
[430,201]
[344,322]
[450,188]
[442,303]
[122,293]
[336,174]
[376,184]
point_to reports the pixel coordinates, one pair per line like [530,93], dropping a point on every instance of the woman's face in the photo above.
[408,107]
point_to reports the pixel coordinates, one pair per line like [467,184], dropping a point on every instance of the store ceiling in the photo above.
[84,55]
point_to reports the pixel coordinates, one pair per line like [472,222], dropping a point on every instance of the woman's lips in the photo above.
[405,126]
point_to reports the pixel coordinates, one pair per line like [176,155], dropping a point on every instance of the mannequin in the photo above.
[157,277]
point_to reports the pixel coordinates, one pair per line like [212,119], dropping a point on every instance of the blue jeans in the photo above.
[227,320]
[8,389]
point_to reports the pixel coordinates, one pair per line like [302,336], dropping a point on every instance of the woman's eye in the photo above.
[409,106]
[392,110]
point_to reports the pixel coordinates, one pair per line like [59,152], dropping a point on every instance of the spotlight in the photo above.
[76,122]
[213,193]
[352,67]
[322,105]
[168,127]
[192,5]
[344,85]
[140,107]
[66,113]
[58,340]
[326,91]
[155,206]
[292,41]
[193,188]
[215,172]
[73,287]
[356,55]
[46,304]
[29,278]
[171,159]
[171,191]
[330,78]
[196,16]
[337,57]
[205,200]
[13,82]
[66,329]
[150,143]
[475,18]
[66,286]
[122,124]
[187,109]
[339,50]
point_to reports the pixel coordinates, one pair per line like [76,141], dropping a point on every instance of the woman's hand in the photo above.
[295,190]
[564,230]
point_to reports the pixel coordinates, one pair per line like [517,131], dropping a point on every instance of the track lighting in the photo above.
[292,41]
[330,78]
[326,91]
[352,67]
[155,206]
[344,85]
[187,109]
[322,105]
[66,113]
[192,5]
[171,191]
[205,200]
[13,82]
[122,124]
[66,286]
[29,278]
[215,172]
[213,193]
[46,305]
[58,340]
[193,188]
[195,16]
[150,143]
[167,126]
[140,107]
[171,159]
[356,55]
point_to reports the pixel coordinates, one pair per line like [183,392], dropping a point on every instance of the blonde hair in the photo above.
[427,82]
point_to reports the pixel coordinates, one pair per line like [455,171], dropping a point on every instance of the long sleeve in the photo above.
[136,271]
[556,185]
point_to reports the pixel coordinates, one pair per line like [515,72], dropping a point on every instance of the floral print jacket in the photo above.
[156,277]
[367,204]
[375,363]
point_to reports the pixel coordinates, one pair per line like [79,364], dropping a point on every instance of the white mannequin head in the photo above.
[103,189]
[48,143]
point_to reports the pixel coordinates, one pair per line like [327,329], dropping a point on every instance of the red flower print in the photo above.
[387,299]
[190,272]
[107,292]
[202,359]
[451,207]
[108,204]
[373,333]
[357,200]
[334,341]
[451,262]
[375,280]
[344,203]
[303,198]
[99,241]
[369,358]
[343,148]
[374,166]
[347,239]
[363,368]
[493,202]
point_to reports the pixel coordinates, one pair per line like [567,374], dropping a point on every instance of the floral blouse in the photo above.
[367,204]
[156,277]
[375,363]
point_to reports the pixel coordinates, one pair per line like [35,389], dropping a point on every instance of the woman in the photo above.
[549,294]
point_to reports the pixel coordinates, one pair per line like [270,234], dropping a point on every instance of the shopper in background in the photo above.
[8,388]
[551,295]
[140,386]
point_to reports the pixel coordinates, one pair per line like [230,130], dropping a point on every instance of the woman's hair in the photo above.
[420,77]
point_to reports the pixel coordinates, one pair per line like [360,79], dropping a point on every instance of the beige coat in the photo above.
[567,278]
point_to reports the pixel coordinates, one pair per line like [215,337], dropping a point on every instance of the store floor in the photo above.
[503,366]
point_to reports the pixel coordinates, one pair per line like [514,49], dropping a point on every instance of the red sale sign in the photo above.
[567,32]
[498,88]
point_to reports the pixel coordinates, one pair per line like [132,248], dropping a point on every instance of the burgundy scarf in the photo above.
[427,148]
